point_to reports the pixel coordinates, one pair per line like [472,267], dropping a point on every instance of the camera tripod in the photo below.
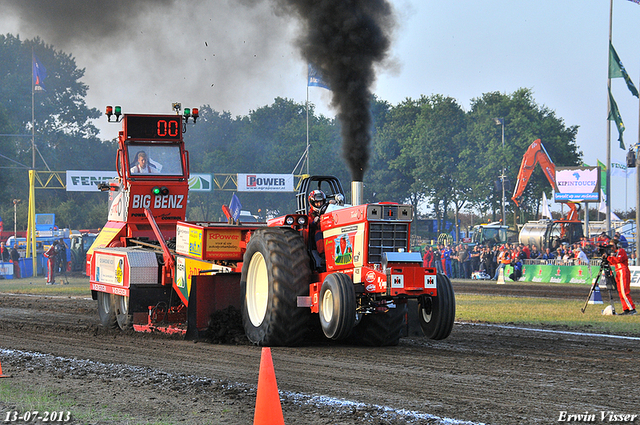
[610,281]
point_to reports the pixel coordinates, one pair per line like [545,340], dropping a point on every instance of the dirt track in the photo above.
[480,374]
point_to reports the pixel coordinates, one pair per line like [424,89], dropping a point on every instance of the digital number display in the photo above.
[153,127]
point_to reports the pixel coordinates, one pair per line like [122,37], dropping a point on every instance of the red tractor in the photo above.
[348,268]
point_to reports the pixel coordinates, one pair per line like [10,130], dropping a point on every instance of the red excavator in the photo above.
[555,232]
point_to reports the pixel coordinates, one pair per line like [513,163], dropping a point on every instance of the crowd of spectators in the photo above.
[462,261]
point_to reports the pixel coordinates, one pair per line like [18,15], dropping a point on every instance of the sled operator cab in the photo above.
[150,150]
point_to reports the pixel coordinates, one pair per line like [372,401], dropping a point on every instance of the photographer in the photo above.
[623,276]
[516,263]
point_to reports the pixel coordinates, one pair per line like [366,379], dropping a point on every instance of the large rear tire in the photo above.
[437,314]
[337,309]
[123,317]
[381,329]
[274,273]
[107,311]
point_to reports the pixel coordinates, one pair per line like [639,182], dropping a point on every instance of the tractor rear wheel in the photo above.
[107,311]
[123,317]
[381,329]
[275,272]
[437,314]
[337,307]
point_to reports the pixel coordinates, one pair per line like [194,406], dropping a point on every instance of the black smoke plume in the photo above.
[344,40]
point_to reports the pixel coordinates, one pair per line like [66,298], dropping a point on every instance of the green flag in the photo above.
[603,176]
[616,70]
[614,115]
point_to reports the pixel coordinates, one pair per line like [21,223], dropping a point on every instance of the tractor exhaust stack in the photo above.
[356,192]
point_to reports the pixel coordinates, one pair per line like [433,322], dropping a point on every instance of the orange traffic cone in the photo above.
[268,408]
[1,375]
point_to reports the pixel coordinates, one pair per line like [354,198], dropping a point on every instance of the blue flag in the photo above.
[39,74]
[235,206]
[314,78]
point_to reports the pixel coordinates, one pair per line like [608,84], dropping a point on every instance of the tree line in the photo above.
[424,151]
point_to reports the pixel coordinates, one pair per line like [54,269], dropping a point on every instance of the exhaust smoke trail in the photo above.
[345,40]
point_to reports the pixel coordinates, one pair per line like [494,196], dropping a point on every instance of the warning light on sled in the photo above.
[190,113]
[162,191]
[111,112]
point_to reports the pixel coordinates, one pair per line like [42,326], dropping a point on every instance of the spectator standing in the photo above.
[504,258]
[15,259]
[446,260]
[61,257]
[475,258]
[427,259]
[50,254]
[463,257]
[437,259]
[623,241]
[455,264]
[4,254]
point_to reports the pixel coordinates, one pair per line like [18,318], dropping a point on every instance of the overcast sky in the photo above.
[238,55]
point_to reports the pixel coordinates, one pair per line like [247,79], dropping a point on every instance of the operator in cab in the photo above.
[142,165]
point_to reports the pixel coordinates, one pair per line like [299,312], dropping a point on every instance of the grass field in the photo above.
[544,312]
[70,285]
[547,312]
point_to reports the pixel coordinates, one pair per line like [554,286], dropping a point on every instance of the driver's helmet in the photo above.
[317,199]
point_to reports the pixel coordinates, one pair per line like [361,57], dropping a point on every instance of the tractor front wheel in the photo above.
[437,314]
[337,306]
[275,272]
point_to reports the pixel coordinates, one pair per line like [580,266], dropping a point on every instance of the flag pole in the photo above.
[637,187]
[307,149]
[31,224]
[608,186]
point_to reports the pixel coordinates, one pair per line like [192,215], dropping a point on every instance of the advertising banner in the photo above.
[87,181]
[565,274]
[576,184]
[200,183]
[265,182]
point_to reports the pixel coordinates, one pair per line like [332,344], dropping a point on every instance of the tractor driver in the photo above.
[317,206]
[142,165]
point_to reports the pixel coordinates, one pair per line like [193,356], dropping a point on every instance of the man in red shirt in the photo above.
[623,276]
[428,258]
[50,254]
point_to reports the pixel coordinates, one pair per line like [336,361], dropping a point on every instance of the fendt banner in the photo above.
[265,182]
[87,181]
[576,184]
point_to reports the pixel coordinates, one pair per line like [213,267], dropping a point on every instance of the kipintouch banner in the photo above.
[577,184]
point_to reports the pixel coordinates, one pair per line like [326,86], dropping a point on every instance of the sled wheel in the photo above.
[275,272]
[381,329]
[124,318]
[437,314]
[337,309]
[107,311]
